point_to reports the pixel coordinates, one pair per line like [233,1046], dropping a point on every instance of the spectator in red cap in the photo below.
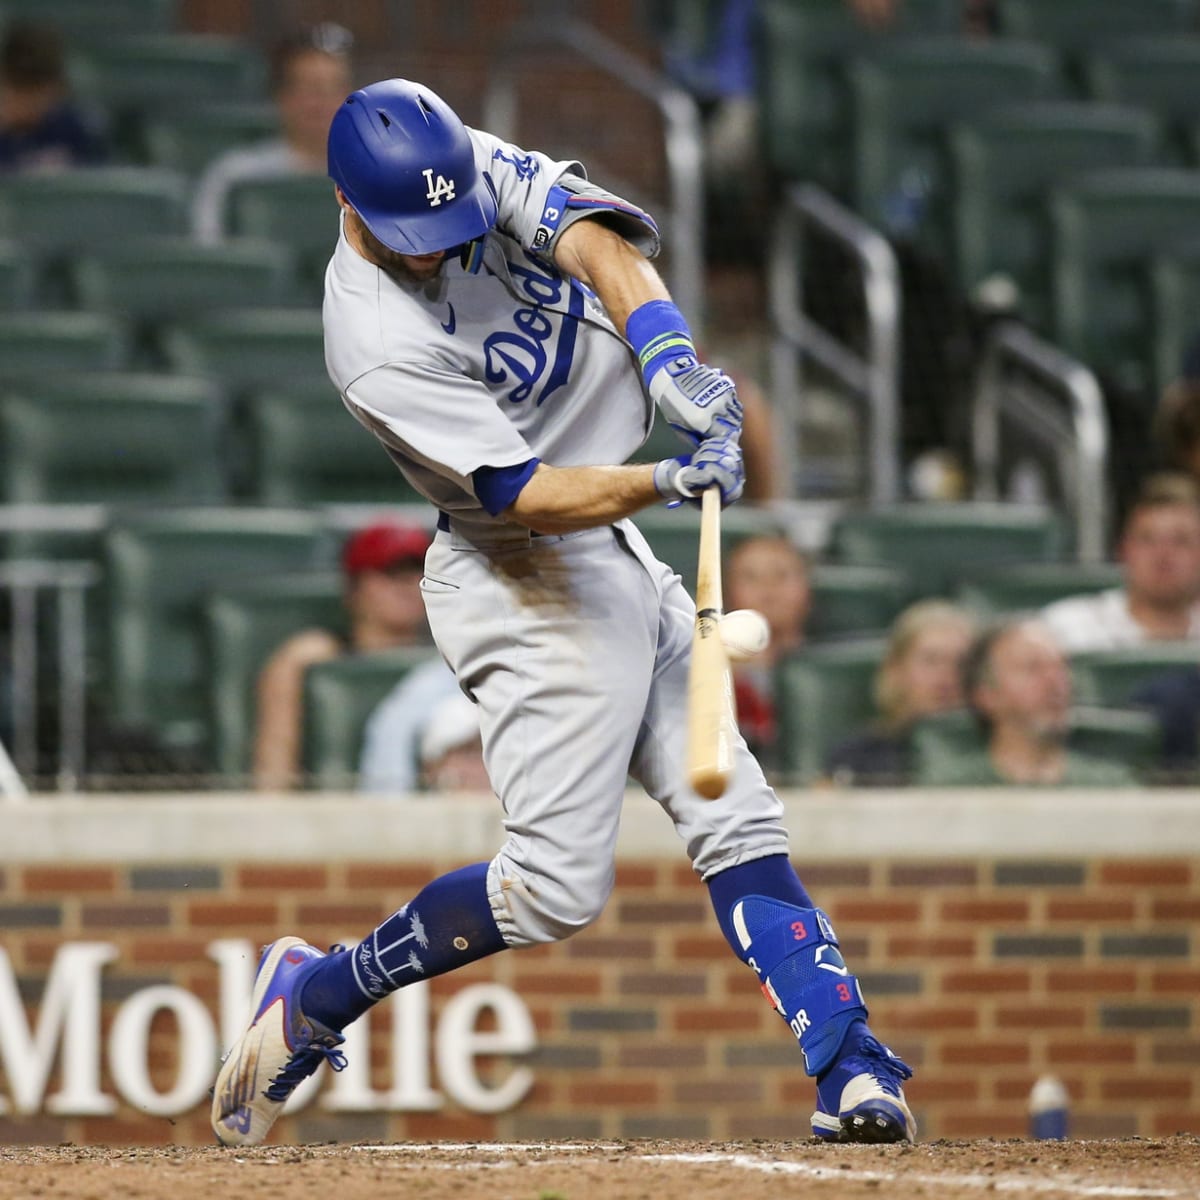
[382,565]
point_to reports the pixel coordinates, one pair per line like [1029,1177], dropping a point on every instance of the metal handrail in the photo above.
[683,143]
[1078,438]
[873,376]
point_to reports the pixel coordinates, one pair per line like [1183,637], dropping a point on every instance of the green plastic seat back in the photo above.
[245,625]
[855,600]
[823,695]
[937,543]
[1175,291]
[51,214]
[159,279]
[190,139]
[35,342]
[306,448]
[1027,587]
[17,278]
[111,439]
[297,211]
[172,71]
[1068,23]
[1109,677]
[1003,164]
[159,568]
[1107,225]
[1156,73]
[339,698]
[802,55]
[82,21]
[248,348]
[903,99]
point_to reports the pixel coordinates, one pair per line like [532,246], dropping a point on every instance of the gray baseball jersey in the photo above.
[493,368]
[575,646]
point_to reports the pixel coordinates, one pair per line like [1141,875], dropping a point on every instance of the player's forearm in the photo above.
[620,275]
[564,499]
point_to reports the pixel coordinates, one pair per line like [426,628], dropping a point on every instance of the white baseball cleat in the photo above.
[278,1050]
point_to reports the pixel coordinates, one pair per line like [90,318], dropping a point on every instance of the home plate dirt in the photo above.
[636,1170]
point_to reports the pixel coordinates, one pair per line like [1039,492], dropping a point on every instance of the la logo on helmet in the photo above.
[440,190]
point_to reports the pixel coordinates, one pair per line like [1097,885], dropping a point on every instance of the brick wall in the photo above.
[983,972]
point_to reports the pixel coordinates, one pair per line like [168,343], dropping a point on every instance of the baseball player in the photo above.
[492,317]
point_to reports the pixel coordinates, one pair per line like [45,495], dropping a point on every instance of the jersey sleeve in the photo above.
[441,420]
[538,197]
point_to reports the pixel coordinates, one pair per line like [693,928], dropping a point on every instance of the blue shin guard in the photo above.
[795,954]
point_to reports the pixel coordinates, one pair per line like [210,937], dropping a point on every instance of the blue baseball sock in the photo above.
[448,924]
[772,924]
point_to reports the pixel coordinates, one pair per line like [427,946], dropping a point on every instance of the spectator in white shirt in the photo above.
[1159,551]
[310,78]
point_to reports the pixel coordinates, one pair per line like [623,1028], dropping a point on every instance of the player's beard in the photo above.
[408,267]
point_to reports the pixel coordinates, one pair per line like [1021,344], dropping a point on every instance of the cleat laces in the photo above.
[302,1065]
[886,1067]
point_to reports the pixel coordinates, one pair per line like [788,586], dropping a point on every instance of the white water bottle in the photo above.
[1048,1103]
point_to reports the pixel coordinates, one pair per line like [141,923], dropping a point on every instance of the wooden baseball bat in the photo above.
[711,721]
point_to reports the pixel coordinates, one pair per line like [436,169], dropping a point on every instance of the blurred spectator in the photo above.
[310,78]
[1174,699]
[382,565]
[41,127]
[768,573]
[451,748]
[921,674]
[1160,553]
[1018,685]
[1177,426]
[391,754]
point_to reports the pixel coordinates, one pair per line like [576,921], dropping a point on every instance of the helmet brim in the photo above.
[449,225]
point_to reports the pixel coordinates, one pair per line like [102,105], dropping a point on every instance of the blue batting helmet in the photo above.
[405,162]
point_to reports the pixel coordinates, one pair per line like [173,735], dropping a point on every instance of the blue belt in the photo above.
[443,523]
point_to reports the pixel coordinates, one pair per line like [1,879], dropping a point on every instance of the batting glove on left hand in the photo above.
[716,463]
[696,399]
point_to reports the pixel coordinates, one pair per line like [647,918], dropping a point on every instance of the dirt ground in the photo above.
[640,1170]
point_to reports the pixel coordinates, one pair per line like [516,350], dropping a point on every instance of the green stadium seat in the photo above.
[674,533]
[938,543]
[17,278]
[1157,73]
[297,211]
[84,20]
[823,695]
[1127,736]
[244,625]
[803,51]
[248,348]
[1110,677]
[339,697]
[52,214]
[1002,165]
[110,439]
[159,568]
[855,600]
[162,279]
[173,71]
[305,448]
[1027,587]
[902,100]
[188,141]
[1070,24]
[1107,225]
[33,342]
[1175,296]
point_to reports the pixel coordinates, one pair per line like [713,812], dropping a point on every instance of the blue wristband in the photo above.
[658,333]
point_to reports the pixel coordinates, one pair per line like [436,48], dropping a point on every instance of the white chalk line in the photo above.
[749,1162]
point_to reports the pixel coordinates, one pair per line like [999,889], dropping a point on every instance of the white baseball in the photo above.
[744,633]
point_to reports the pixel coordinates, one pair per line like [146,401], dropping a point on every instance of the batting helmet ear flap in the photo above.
[471,253]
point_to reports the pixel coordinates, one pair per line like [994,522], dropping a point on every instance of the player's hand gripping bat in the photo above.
[711,723]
